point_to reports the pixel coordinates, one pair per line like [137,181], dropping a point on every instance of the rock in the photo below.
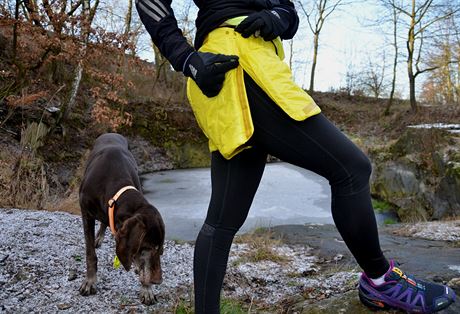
[173,135]
[148,157]
[345,303]
[338,257]
[454,283]
[64,306]
[420,174]
[72,275]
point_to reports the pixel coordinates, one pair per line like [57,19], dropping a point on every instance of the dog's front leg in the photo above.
[147,296]
[100,235]
[89,285]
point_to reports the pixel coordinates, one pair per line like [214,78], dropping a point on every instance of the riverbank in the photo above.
[286,269]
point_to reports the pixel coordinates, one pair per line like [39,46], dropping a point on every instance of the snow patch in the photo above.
[455,268]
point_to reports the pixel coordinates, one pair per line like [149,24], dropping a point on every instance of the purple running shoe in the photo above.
[401,291]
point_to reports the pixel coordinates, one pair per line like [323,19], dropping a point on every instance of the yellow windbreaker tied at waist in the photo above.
[226,118]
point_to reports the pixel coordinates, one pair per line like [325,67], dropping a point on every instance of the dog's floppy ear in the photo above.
[128,240]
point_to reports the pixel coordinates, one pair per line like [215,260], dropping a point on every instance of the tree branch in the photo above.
[426,70]
[74,8]
[435,20]
[32,10]
[400,9]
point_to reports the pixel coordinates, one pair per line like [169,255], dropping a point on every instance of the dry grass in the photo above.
[259,254]
[28,185]
[68,204]
[7,161]
[27,181]
[261,242]
[69,201]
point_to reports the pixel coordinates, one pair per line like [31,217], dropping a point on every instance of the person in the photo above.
[248,106]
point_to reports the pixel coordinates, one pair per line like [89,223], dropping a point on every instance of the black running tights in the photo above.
[314,144]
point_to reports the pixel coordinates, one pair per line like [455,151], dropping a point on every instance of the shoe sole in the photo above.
[374,304]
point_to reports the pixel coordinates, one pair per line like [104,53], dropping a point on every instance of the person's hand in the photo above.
[267,23]
[208,70]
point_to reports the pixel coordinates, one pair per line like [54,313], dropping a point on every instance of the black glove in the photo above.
[268,23]
[208,70]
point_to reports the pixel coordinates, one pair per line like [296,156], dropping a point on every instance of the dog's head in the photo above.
[140,242]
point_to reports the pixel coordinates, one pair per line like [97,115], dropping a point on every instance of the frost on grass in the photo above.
[42,264]
[441,231]
[295,272]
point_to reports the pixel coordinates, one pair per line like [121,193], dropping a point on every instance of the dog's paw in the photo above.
[147,296]
[88,287]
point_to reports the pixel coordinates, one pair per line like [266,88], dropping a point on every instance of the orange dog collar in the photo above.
[112,203]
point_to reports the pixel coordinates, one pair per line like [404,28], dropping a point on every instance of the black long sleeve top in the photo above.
[159,20]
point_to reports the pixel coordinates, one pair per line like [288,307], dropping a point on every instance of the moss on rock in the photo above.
[420,174]
[174,130]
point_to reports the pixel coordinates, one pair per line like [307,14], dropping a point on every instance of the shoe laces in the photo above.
[397,274]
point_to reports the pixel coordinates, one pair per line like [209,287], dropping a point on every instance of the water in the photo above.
[287,195]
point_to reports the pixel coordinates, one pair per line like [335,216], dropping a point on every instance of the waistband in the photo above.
[233,22]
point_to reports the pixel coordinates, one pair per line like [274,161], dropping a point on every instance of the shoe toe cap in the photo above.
[444,301]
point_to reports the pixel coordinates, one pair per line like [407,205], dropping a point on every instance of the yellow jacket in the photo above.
[226,118]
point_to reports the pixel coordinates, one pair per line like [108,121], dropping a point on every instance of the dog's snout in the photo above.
[150,276]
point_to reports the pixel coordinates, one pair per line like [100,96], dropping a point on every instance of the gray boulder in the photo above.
[420,173]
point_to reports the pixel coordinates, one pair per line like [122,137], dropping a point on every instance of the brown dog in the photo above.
[111,179]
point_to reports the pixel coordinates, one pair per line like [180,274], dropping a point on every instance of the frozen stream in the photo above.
[287,195]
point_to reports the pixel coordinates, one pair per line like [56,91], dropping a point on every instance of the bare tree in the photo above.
[443,84]
[291,53]
[317,12]
[372,79]
[88,13]
[15,28]
[421,17]
[128,18]
[393,17]
[351,80]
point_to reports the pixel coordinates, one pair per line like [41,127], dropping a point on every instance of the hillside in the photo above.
[43,150]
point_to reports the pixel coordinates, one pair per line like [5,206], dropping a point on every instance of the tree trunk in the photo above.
[313,66]
[395,62]
[450,94]
[88,16]
[410,60]
[413,100]
[393,87]
[449,84]
[128,17]
[15,28]
[74,90]
[128,22]
[457,86]
[161,66]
